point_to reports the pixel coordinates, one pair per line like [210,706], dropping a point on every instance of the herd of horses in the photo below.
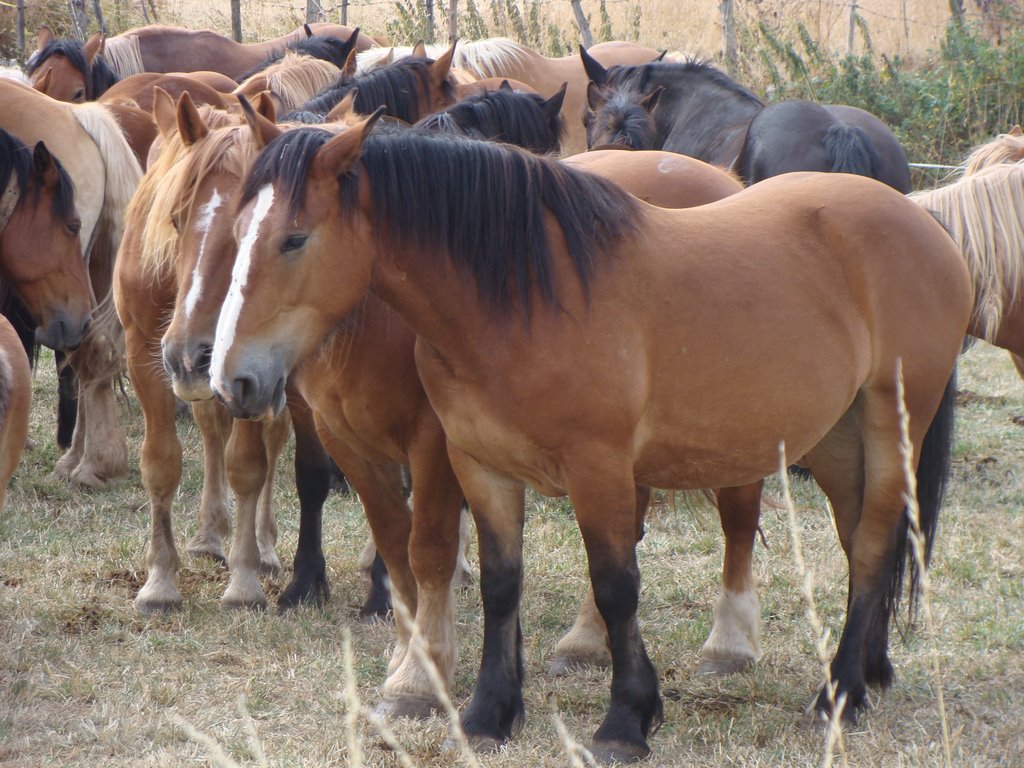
[406,259]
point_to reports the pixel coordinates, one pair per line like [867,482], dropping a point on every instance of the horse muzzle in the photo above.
[63,332]
[251,393]
[188,366]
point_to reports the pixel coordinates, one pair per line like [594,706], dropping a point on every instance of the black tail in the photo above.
[932,477]
[849,150]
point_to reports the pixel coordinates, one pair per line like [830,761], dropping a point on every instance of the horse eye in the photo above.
[74,227]
[79,95]
[293,243]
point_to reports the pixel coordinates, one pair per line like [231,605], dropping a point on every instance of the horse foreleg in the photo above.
[734,644]
[214,424]
[498,506]
[312,480]
[586,644]
[275,436]
[247,472]
[67,401]
[433,554]
[161,473]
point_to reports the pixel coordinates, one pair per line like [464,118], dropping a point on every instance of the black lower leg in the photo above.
[848,666]
[67,400]
[378,599]
[312,480]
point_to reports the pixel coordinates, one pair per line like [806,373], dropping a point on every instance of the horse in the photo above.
[527,120]
[138,90]
[292,80]
[701,112]
[41,264]
[410,88]
[510,268]
[332,50]
[372,416]
[503,58]
[105,172]
[70,70]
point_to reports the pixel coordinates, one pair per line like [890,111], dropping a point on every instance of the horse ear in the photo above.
[350,63]
[419,50]
[43,84]
[344,109]
[265,106]
[595,96]
[164,113]
[308,30]
[1015,131]
[44,165]
[44,36]
[190,123]
[93,46]
[505,86]
[342,152]
[388,59]
[650,101]
[661,56]
[593,68]
[554,105]
[262,130]
[443,65]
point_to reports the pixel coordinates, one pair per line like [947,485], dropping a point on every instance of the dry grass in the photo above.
[84,681]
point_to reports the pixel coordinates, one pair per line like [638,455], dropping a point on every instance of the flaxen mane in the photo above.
[1004,148]
[453,195]
[124,55]
[170,186]
[984,213]
[294,79]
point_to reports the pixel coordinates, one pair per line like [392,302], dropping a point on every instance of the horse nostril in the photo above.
[204,357]
[244,388]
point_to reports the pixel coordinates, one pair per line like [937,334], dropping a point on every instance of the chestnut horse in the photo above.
[41,262]
[509,267]
[501,57]
[105,172]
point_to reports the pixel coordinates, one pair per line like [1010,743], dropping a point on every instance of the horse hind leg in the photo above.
[734,644]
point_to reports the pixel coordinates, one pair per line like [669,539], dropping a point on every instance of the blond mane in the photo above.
[483,58]
[1004,148]
[293,80]
[984,213]
[170,185]
[123,55]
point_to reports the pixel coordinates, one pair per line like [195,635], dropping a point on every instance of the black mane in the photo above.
[646,77]
[394,87]
[503,115]
[325,47]
[484,204]
[98,76]
[16,159]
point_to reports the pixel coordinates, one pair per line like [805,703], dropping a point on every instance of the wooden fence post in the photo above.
[453,21]
[99,17]
[21,30]
[344,12]
[853,27]
[314,11]
[725,7]
[430,21]
[582,23]
[236,20]
[79,18]
[956,7]
[145,13]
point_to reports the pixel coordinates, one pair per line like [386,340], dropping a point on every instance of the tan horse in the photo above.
[503,58]
[292,81]
[105,172]
[374,418]
[653,350]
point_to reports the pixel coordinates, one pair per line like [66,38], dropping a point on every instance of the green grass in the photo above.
[85,681]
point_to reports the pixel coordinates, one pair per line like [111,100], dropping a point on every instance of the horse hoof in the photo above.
[479,744]
[409,707]
[215,552]
[298,593]
[244,604]
[270,568]
[723,667]
[564,664]
[152,605]
[86,478]
[619,751]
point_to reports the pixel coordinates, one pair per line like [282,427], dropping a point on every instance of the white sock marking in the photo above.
[232,308]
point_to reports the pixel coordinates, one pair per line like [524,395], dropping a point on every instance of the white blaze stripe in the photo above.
[206,214]
[232,307]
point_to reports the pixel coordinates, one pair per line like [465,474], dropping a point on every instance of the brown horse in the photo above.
[291,81]
[138,90]
[576,339]
[105,172]
[152,263]
[374,418]
[41,262]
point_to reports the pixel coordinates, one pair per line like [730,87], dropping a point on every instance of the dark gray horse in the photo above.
[694,109]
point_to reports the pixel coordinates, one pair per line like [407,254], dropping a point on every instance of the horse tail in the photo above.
[849,150]
[932,478]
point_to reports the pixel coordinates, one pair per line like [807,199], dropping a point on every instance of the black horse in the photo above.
[694,109]
[527,120]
